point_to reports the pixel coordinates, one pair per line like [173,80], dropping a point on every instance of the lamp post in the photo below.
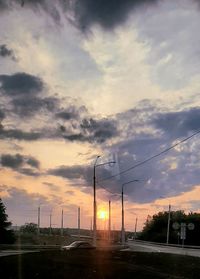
[168,221]
[109,221]
[94,203]
[168,224]
[123,229]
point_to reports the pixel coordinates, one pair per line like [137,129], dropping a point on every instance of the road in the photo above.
[145,247]
[4,253]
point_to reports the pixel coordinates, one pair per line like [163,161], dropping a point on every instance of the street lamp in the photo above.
[168,221]
[123,230]
[168,224]
[95,204]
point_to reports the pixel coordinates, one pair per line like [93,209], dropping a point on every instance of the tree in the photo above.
[155,229]
[29,228]
[6,234]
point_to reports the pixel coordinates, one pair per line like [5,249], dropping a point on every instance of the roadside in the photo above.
[98,265]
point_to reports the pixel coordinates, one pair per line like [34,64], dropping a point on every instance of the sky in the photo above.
[82,78]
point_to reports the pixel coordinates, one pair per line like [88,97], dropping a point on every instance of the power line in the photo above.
[152,157]
[108,190]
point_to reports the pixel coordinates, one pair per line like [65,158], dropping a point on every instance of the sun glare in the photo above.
[102,214]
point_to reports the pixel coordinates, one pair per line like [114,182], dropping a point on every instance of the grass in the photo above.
[99,265]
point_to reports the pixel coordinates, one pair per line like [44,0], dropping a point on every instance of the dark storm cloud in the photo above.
[30,105]
[83,172]
[6,52]
[19,134]
[108,14]
[84,13]
[99,130]
[2,115]
[76,137]
[17,161]
[71,112]
[91,130]
[66,115]
[178,124]
[12,161]
[21,84]
[33,162]
[29,172]
[74,172]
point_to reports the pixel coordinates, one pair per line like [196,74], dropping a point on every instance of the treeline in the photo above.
[155,228]
[32,228]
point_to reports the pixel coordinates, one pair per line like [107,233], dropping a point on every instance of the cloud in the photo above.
[83,13]
[24,91]
[28,107]
[52,186]
[79,172]
[17,161]
[167,32]
[178,124]
[90,130]
[19,134]
[107,14]
[73,172]
[2,115]
[6,52]
[99,130]
[21,84]
[71,112]
[22,206]
[11,161]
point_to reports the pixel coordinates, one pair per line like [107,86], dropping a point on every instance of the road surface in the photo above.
[146,247]
[4,253]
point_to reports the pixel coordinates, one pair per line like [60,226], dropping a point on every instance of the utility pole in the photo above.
[50,216]
[38,228]
[135,228]
[122,196]
[79,222]
[91,227]
[61,231]
[168,224]
[109,222]
[123,229]
[94,203]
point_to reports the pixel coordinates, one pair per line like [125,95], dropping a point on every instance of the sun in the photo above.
[102,214]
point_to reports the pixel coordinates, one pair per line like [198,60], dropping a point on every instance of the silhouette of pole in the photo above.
[38,228]
[50,216]
[135,227]
[122,196]
[109,222]
[168,224]
[94,203]
[79,222]
[61,231]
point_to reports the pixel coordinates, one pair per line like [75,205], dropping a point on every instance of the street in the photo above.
[158,248]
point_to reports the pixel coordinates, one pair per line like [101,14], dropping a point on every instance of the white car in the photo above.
[78,245]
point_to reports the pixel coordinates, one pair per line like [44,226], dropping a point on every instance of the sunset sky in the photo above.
[115,78]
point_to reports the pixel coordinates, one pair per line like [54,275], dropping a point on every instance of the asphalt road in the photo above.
[145,247]
[4,253]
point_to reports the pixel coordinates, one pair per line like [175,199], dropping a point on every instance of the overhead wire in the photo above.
[152,157]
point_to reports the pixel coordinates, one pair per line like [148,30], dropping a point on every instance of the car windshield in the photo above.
[99,138]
